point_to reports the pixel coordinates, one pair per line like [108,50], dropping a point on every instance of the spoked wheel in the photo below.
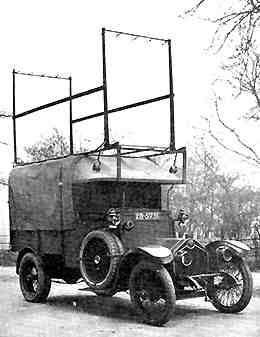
[34,282]
[100,254]
[232,291]
[152,292]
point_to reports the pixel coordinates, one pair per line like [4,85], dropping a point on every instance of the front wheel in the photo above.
[152,292]
[35,284]
[232,291]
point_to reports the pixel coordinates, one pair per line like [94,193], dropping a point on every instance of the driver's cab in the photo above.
[132,209]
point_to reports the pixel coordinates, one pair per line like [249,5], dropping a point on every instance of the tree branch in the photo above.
[230,149]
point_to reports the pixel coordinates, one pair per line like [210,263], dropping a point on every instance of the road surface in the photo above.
[70,312]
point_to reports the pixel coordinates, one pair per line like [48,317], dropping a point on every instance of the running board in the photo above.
[97,291]
[190,294]
[86,289]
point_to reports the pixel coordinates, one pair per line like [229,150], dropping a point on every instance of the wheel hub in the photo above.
[97,259]
[227,281]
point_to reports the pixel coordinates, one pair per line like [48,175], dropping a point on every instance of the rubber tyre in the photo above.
[100,255]
[246,295]
[35,284]
[160,277]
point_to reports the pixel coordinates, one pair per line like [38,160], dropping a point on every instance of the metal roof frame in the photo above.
[121,150]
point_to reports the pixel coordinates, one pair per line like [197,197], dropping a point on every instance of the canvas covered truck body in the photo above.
[54,204]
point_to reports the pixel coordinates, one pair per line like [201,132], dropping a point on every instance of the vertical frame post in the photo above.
[14,121]
[61,209]
[118,161]
[106,130]
[172,129]
[70,105]
[184,169]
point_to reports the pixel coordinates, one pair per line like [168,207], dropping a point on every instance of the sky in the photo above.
[64,37]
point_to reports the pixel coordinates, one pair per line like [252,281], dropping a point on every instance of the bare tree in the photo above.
[239,146]
[245,79]
[54,145]
[236,22]
[214,200]
[237,29]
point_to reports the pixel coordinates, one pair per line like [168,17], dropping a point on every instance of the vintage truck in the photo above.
[98,216]
[69,220]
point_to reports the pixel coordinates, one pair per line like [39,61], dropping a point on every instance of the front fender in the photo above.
[239,246]
[156,252]
[235,247]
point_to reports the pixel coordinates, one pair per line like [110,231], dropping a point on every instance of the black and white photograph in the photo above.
[130,168]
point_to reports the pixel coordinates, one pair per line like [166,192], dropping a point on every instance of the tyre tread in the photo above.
[44,280]
[168,285]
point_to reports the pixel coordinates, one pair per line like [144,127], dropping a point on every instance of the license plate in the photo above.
[147,216]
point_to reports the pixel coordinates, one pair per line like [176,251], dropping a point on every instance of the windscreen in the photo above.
[100,196]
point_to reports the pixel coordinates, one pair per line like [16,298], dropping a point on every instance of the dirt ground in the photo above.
[70,312]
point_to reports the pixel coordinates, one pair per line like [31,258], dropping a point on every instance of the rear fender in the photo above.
[21,255]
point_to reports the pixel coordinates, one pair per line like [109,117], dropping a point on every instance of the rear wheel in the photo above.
[34,282]
[152,292]
[232,291]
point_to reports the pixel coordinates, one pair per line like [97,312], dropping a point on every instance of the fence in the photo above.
[252,258]
[4,242]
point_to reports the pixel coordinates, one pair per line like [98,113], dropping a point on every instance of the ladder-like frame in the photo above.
[121,150]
